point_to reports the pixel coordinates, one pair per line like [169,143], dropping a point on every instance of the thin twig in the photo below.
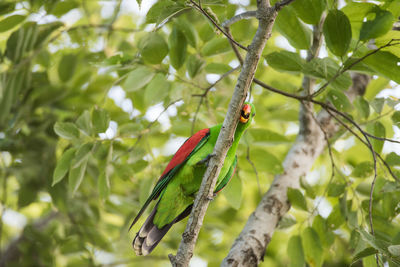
[199,8]
[382,138]
[279,5]
[346,68]
[238,17]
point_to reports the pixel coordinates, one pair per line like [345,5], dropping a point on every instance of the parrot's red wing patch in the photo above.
[184,151]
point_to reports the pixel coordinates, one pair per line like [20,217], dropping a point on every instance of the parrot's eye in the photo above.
[245,113]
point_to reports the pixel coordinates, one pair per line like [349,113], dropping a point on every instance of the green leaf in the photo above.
[363,170]
[393,159]
[84,123]
[157,90]
[153,48]
[377,104]
[339,100]
[364,253]
[63,165]
[82,154]
[233,192]
[124,171]
[194,64]
[385,64]
[6,7]
[76,175]
[380,23]
[265,161]
[215,46]
[206,32]
[177,47]
[218,68]
[66,67]
[298,35]
[374,242]
[45,30]
[326,68]
[286,222]
[369,261]
[337,32]
[162,11]
[295,252]
[138,78]
[10,22]
[138,166]
[396,117]
[335,219]
[356,12]
[374,87]
[63,7]
[312,247]
[326,235]
[285,61]
[100,120]
[376,129]
[335,189]
[66,130]
[261,136]
[296,199]
[103,185]
[188,30]
[309,11]
[362,107]
[21,41]
[394,250]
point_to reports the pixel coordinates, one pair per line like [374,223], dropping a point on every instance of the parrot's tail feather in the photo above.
[150,235]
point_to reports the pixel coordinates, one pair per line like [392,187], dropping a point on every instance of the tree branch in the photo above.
[238,17]
[266,16]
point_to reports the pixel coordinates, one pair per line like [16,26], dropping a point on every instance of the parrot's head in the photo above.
[247,113]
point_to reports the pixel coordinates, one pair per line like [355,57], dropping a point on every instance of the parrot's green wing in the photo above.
[227,177]
[190,147]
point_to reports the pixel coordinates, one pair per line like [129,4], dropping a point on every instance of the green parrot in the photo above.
[176,189]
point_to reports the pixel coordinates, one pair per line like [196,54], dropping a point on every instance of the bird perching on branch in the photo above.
[178,185]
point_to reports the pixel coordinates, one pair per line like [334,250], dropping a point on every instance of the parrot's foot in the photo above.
[212,197]
[206,159]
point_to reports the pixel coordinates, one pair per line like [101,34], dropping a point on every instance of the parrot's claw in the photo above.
[206,159]
[212,197]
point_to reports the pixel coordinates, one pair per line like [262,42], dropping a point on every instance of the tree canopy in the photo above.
[96,96]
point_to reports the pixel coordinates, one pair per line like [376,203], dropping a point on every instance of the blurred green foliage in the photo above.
[95,97]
